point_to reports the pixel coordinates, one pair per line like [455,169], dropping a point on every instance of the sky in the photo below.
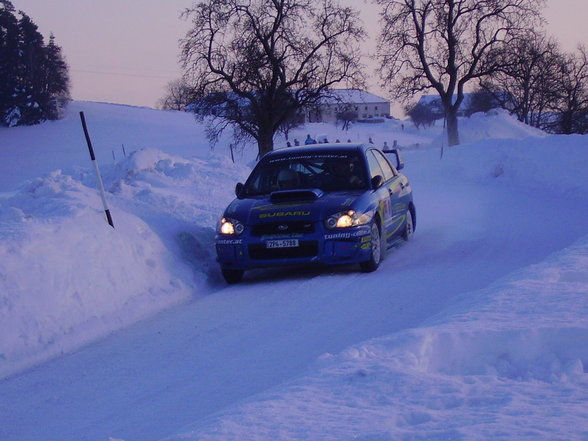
[127,51]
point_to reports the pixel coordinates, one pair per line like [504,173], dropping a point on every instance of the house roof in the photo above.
[435,100]
[352,96]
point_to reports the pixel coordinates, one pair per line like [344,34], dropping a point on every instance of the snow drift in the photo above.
[475,330]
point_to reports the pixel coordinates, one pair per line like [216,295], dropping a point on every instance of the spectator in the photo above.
[309,140]
[296,142]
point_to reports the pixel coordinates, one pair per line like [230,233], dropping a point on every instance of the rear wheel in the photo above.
[376,251]
[232,275]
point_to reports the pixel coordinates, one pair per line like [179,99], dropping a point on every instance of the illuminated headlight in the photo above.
[230,226]
[348,218]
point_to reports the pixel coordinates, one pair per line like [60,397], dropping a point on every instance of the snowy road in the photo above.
[153,379]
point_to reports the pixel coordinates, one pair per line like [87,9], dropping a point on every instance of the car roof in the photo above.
[319,148]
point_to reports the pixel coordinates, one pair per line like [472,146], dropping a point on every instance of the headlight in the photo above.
[230,226]
[349,218]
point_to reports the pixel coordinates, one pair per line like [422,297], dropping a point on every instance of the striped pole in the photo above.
[93,157]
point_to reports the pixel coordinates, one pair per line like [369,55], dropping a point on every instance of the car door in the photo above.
[382,193]
[393,182]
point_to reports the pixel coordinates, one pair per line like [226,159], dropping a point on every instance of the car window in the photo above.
[331,171]
[388,170]
[374,166]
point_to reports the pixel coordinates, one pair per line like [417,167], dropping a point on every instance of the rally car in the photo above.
[324,203]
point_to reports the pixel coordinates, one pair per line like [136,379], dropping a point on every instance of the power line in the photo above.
[126,74]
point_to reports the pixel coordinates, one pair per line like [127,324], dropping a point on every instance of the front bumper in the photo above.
[316,244]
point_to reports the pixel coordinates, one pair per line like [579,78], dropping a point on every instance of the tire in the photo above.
[409,228]
[232,276]
[376,251]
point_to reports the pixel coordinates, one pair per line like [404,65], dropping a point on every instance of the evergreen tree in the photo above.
[56,80]
[34,80]
[9,64]
[32,62]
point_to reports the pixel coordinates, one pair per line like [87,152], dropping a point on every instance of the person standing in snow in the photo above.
[309,140]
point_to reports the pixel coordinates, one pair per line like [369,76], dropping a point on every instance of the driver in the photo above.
[344,174]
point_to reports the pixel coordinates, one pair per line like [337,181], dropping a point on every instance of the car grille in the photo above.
[307,248]
[282,228]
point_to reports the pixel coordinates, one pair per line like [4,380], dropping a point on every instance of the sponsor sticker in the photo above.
[346,235]
[229,241]
[284,214]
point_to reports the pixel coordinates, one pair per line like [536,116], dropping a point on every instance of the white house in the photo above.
[364,104]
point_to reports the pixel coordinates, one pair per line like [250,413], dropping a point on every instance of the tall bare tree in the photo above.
[445,44]
[178,95]
[527,83]
[260,61]
[572,105]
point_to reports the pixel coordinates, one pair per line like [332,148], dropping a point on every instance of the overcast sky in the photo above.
[126,51]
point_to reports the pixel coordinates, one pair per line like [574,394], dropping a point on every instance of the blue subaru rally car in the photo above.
[324,203]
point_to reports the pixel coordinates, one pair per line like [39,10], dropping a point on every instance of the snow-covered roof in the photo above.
[435,99]
[352,96]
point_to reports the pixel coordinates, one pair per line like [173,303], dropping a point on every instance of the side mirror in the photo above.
[398,162]
[239,189]
[377,182]
[399,159]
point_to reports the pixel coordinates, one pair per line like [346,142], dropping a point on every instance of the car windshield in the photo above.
[337,171]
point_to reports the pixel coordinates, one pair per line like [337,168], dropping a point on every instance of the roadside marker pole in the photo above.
[93,157]
[443,135]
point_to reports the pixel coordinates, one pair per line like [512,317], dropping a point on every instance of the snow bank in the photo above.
[67,277]
[495,124]
[551,164]
[114,129]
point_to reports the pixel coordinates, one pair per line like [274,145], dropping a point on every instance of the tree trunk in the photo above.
[566,123]
[265,142]
[452,130]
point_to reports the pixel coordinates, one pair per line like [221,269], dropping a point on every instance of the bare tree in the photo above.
[445,44]
[265,60]
[347,114]
[572,105]
[481,100]
[527,83]
[420,115]
[178,96]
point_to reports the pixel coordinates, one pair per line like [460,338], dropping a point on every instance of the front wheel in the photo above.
[376,251]
[232,276]
[409,228]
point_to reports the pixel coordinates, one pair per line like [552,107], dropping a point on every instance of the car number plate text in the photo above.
[281,243]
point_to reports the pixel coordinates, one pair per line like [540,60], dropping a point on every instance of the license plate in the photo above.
[281,243]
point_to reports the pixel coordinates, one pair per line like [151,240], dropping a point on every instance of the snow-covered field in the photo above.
[475,330]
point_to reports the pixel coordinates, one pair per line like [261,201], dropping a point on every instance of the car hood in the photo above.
[311,205]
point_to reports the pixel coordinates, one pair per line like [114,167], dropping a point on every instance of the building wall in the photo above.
[328,112]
